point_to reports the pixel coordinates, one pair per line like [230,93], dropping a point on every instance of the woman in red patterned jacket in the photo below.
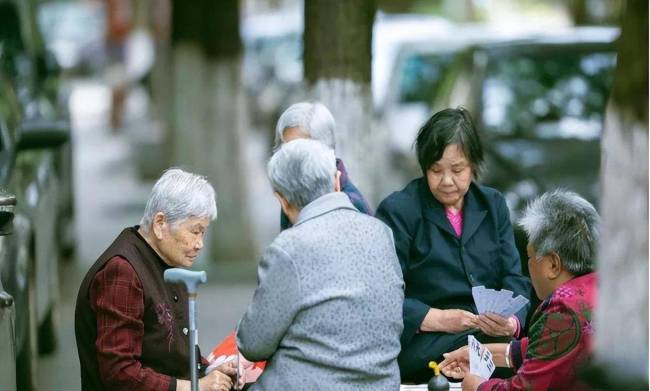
[563,238]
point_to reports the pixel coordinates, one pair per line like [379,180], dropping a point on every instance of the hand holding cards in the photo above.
[499,302]
[480,358]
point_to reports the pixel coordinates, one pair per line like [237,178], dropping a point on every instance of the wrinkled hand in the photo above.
[228,368]
[448,321]
[496,325]
[216,380]
[244,367]
[471,382]
[456,363]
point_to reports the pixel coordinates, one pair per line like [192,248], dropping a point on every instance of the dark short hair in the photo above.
[449,126]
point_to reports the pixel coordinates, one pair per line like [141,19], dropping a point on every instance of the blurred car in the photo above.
[32,131]
[418,63]
[272,63]
[7,308]
[75,31]
[391,33]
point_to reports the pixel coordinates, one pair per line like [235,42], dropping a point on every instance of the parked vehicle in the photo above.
[31,134]
[75,32]
[7,307]
[272,63]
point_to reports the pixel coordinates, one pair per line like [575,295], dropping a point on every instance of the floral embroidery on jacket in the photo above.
[166,319]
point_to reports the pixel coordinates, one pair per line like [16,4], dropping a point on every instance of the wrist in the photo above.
[514,325]
[432,321]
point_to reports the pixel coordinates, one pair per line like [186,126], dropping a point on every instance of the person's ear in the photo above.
[284,204]
[554,268]
[158,225]
[337,181]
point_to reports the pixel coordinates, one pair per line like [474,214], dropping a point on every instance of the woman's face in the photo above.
[180,245]
[450,177]
[537,268]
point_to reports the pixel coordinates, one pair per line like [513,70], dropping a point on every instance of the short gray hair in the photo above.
[302,171]
[565,223]
[180,195]
[312,118]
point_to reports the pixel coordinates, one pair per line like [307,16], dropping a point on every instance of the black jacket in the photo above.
[439,268]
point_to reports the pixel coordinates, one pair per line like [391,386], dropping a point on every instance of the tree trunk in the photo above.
[337,42]
[210,126]
[622,314]
[579,12]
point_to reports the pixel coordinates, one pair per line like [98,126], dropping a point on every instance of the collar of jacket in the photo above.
[324,204]
[135,231]
[473,211]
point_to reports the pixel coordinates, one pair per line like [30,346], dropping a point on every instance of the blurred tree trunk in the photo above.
[578,11]
[337,42]
[209,129]
[622,314]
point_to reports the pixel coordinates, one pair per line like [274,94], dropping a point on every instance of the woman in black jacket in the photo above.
[450,234]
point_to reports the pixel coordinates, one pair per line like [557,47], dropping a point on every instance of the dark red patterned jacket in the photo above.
[560,341]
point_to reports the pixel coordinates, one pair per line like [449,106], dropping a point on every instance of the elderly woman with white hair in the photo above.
[562,231]
[131,327]
[327,312]
[314,121]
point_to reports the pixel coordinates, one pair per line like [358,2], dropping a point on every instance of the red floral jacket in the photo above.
[560,339]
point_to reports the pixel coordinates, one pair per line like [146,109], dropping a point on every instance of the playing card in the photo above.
[499,302]
[477,294]
[474,354]
[491,298]
[516,304]
[487,364]
[502,301]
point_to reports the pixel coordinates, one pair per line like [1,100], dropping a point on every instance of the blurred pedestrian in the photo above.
[562,230]
[451,234]
[119,22]
[130,326]
[327,311]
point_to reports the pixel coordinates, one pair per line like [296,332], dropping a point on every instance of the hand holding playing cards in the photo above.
[496,325]
[456,363]
[448,321]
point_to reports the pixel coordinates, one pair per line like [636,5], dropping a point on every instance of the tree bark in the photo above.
[337,42]
[622,313]
[210,126]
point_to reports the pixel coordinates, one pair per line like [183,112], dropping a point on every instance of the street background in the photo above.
[203,83]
